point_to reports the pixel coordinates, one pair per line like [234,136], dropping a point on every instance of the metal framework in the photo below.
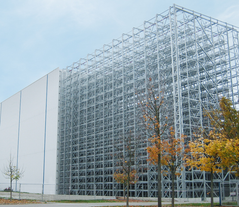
[196,56]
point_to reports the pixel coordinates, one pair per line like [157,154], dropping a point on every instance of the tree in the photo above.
[229,154]
[12,173]
[121,176]
[218,149]
[233,160]
[155,126]
[126,173]
[205,156]
[225,119]
[171,155]
[225,122]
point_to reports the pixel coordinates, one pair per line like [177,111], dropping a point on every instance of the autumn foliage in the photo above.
[171,151]
[126,173]
[230,155]
[217,149]
[225,119]
[225,122]
[205,155]
[122,177]
[220,149]
[155,125]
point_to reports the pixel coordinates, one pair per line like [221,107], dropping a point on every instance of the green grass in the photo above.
[195,204]
[188,204]
[107,201]
[83,201]
[229,203]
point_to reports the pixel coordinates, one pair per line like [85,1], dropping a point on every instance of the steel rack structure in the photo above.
[196,58]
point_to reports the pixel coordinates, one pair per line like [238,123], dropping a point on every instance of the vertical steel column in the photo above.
[113,116]
[103,134]
[146,94]
[236,51]
[133,59]
[230,67]
[65,130]
[18,132]
[44,146]
[199,92]
[71,130]
[172,65]
[179,131]
[123,113]
[87,138]
[95,187]
[214,66]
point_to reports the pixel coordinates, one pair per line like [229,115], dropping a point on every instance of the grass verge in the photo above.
[84,201]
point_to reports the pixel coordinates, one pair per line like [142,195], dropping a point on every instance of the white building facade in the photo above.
[28,133]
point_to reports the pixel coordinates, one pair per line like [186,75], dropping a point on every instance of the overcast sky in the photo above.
[37,36]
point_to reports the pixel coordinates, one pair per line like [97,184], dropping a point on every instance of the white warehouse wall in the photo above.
[29,133]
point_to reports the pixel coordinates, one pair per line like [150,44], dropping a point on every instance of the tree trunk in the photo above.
[159,181]
[211,188]
[124,191]
[127,202]
[11,188]
[173,178]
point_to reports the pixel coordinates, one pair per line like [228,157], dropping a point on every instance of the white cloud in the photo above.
[230,15]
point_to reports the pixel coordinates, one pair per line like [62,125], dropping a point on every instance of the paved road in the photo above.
[83,204]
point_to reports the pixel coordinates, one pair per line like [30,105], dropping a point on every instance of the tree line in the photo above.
[213,149]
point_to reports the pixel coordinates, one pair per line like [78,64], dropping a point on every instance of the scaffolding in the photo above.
[196,56]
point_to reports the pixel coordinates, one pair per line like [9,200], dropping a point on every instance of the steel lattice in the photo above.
[195,56]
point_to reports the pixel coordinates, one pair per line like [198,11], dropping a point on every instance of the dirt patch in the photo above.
[15,201]
[121,199]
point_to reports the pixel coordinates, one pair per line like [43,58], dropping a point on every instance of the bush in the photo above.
[8,189]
